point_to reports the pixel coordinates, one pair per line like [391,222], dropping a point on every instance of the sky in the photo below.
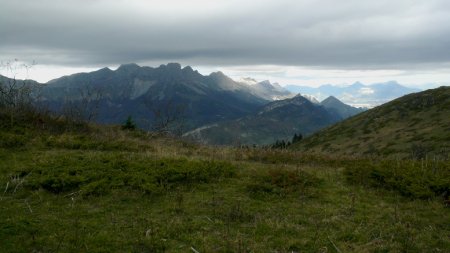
[304,42]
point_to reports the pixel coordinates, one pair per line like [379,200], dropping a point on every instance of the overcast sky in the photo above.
[307,42]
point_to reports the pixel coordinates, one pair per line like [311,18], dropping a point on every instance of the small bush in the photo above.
[61,183]
[10,140]
[96,188]
[415,179]
[282,182]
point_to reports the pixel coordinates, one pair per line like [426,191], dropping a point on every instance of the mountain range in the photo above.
[170,92]
[267,90]
[143,92]
[357,94]
[212,108]
[278,120]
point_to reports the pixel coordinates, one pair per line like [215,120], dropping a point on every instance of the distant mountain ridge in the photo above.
[251,111]
[266,89]
[127,91]
[357,94]
[277,120]
[343,110]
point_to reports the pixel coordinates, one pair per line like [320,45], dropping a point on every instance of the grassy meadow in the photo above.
[90,188]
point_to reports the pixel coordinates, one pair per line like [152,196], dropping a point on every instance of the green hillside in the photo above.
[414,125]
[73,187]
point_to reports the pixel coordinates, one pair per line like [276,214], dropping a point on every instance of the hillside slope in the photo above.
[415,124]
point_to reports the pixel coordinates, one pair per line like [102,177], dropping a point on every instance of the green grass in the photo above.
[416,179]
[107,190]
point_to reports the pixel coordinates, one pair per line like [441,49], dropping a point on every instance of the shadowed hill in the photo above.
[274,121]
[343,110]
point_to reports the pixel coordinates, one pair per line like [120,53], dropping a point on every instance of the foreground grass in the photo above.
[114,191]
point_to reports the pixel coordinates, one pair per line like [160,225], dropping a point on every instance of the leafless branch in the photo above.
[168,117]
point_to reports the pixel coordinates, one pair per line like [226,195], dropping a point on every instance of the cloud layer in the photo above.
[355,34]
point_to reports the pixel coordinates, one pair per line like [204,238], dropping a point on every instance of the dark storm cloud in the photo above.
[328,33]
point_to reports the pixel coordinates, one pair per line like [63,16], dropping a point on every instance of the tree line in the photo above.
[282,144]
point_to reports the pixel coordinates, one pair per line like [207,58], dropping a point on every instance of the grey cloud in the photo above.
[326,33]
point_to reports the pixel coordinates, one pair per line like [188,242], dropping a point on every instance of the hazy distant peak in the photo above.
[218,74]
[393,82]
[265,82]
[174,66]
[331,99]
[337,106]
[188,69]
[105,69]
[299,97]
[357,94]
[310,98]
[267,85]
[357,85]
[390,84]
[277,85]
[223,82]
[189,72]
[298,100]
[248,81]
[128,67]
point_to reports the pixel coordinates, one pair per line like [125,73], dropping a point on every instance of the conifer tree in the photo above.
[129,124]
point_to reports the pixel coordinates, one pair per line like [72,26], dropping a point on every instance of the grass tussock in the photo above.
[415,179]
[282,182]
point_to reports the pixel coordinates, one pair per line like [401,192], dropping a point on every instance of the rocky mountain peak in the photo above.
[331,99]
[128,67]
[173,66]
